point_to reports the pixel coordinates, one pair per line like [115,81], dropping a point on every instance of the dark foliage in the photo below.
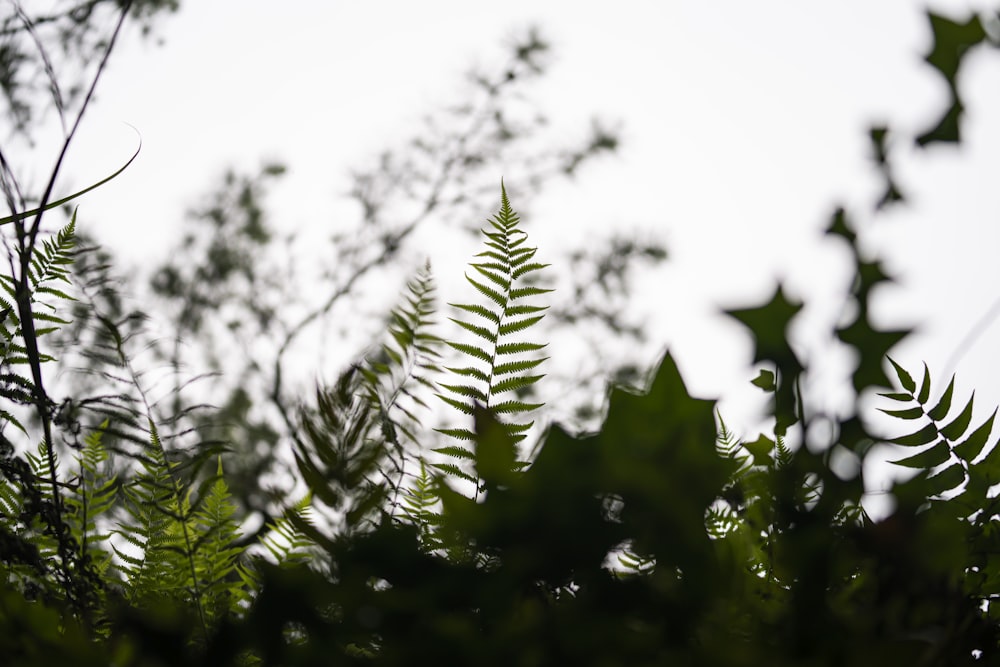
[657,538]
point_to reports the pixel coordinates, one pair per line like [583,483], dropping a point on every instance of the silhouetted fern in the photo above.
[954,454]
[501,360]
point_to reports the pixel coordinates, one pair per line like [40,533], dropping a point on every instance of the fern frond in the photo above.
[216,555]
[502,317]
[421,504]
[458,452]
[284,542]
[514,383]
[951,455]
[93,496]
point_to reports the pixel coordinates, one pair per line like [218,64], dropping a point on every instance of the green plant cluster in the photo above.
[659,538]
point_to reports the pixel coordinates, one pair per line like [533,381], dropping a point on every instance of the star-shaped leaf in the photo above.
[769,324]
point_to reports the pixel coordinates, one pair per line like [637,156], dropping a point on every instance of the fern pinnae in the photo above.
[495,353]
[410,358]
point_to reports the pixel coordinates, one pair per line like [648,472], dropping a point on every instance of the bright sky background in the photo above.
[743,125]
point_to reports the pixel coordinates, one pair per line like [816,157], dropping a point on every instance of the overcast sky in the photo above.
[743,125]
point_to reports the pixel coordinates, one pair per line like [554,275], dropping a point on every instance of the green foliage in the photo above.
[501,360]
[659,538]
[182,546]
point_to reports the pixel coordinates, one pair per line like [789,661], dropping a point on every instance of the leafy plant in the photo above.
[501,361]
[728,551]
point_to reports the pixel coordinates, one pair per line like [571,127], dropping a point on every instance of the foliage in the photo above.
[658,538]
[501,360]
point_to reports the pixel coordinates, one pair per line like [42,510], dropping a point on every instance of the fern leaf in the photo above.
[472,351]
[482,332]
[488,292]
[456,452]
[482,311]
[506,261]
[469,371]
[466,390]
[514,383]
[519,325]
[518,348]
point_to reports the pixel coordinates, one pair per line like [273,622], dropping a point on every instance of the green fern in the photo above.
[180,552]
[339,460]
[395,378]
[152,563]
[958,469]
[216,555]
[94,495]
[410,360]
[501,361]
[286,544]
[421,507]
[632,564]
[28,505]
[951,455]
[48,267]
[27,561]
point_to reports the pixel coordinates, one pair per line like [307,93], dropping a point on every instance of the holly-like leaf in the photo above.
[875,344]
[765,380]
[760,449]
[952,41]
[769,325]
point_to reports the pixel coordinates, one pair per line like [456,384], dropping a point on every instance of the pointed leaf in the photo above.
[915,412]
[905,379]
[527,268]
[470,372]
[515,406]
[473,351]
[517,348]
[459,452]
[454,471]
[971,447]
[940,411]
[490,293]
[947,480]
[522,292]
[929,458]
[765,380]
[482,311]
[518,325]
[464,407]
[466,390]
[760,449]
[511,384]
[515,367]
[925,387]
[956,428]
[500,281]
[924,436]
[897,396]
[768,324]
[482,332]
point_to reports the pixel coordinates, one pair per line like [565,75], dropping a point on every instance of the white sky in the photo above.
[743,125]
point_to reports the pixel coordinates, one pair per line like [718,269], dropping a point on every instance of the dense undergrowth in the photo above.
[658,538]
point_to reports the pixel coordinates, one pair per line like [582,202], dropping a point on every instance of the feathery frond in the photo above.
[498,355]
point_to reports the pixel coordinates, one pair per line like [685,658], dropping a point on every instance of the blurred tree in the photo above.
[46,53]
[248,308]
